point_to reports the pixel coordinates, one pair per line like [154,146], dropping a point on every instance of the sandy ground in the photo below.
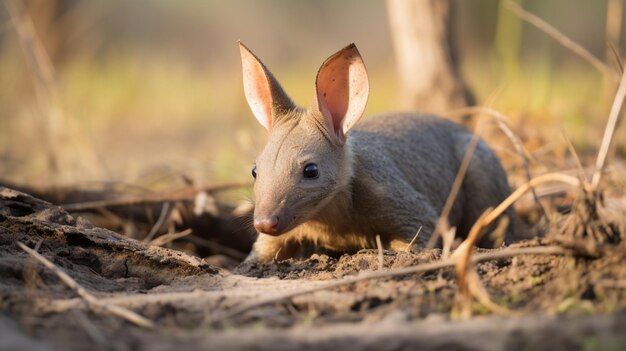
[557,302]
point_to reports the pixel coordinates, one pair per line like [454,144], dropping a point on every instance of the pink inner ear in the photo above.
[256,87]
[342,90]
[333,93]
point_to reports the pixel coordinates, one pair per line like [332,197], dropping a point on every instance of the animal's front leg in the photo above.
[265,248]
[268,248]
[400,245]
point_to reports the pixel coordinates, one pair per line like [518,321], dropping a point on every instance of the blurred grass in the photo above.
[155,119]
[141,117]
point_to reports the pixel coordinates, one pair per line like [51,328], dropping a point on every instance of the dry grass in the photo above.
[562,39]
[586,228]
[442,228]
[381,259]
[185,193]
[588,219]
[167,238]
[410,244]
[65,146]
[469,285]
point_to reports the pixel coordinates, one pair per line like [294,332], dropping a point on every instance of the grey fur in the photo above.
[391,176]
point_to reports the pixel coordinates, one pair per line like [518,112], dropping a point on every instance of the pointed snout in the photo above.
[267,225]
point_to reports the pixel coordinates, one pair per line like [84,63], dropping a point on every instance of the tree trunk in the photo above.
[426,55]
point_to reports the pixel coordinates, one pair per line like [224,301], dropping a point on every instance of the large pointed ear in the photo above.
[342,89]
[266,97]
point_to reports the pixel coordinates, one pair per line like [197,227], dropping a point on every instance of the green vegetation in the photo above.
[144,103]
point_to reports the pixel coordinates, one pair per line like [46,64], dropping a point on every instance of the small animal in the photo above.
[328,181]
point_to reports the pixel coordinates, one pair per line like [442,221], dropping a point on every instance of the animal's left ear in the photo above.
[342,89]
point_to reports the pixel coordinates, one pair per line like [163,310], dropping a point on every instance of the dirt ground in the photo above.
[555,302]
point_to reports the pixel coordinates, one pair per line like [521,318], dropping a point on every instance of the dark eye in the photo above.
[311,171]
[254,171]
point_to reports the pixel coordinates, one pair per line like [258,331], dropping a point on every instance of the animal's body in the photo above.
[325,182]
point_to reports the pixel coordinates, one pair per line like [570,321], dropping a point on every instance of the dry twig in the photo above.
[164,239]
[447,239]
[422,268]
[57,126]
[609,132]
[165,211]
[504,205]
[468,282]
[381,258]
[42,71]
[616,57]
[572,150]
[234,253]
[614,13]
[410,244]
[93,302]
[187,193]
[501,122]
[138,300]
[561,39]
[442,225]
[589,225]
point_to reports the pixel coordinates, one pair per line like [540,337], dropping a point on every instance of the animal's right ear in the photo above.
[266,97]
[342,90]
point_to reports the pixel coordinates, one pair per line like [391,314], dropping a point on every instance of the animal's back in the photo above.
[416,158]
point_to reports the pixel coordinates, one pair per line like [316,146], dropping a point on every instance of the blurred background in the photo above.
[149,92]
